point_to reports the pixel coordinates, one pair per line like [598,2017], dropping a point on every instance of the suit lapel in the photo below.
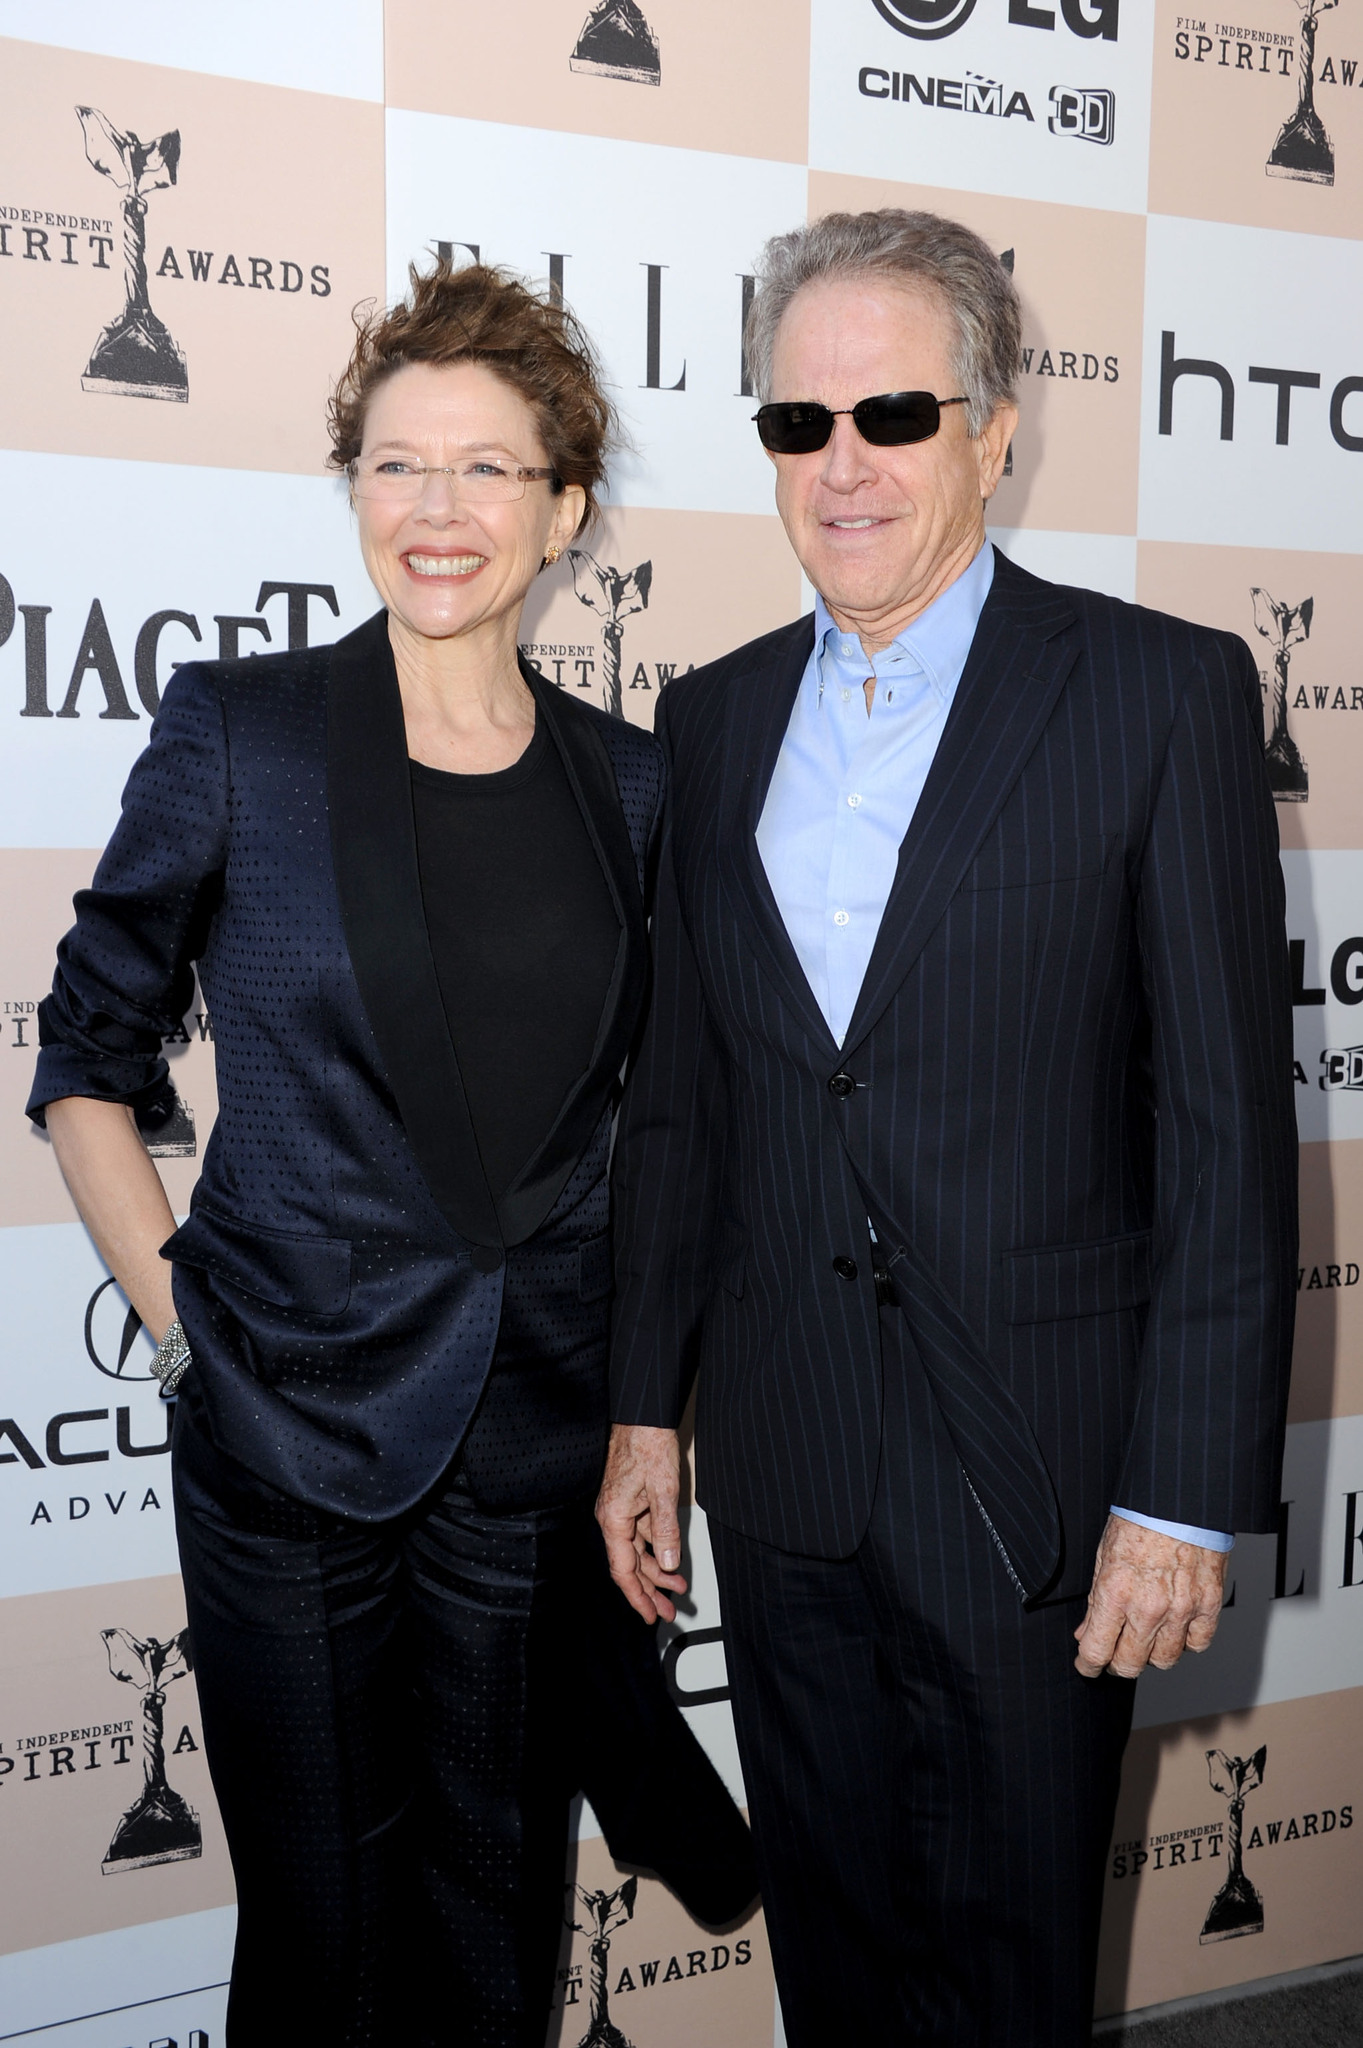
[587,764]
[373,844]
[1017,667]
[759,712]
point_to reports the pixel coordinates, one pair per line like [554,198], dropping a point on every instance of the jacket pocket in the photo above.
[1001,866]
[1058,1282]
[287,1269]
[595,1267]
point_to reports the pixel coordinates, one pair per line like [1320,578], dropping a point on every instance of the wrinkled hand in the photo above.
[637,1510]
[1152,1598]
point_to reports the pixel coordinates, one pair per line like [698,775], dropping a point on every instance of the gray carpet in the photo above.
[1318,2009]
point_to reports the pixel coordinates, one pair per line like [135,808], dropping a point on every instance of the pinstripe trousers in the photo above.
[931,1783]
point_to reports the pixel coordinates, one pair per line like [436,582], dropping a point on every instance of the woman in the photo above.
[410,873]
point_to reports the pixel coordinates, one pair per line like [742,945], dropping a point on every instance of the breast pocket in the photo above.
[1005,864]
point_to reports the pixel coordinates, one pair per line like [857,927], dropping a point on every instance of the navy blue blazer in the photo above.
[1070,1112]
[340,1275]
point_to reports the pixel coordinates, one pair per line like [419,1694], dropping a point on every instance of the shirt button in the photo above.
[846,696]
[845,1268]
[854,802]
[841,917]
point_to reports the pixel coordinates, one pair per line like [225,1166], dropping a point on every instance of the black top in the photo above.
[524,935]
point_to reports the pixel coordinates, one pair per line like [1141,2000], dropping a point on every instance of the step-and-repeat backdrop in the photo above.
[191,203]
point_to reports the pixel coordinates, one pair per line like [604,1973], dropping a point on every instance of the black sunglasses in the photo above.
[891,420]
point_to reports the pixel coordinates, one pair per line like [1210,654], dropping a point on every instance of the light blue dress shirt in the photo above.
[843,794]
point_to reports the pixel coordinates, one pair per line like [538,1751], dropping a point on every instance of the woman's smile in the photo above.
[443,565]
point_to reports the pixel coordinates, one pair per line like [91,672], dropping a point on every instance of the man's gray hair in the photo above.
[923,251]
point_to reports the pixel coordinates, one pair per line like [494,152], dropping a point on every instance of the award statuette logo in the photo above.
[616,42]
[1285,625]
[1237,1907]
[159,1826]
[1303,149]
[135,356]
[616,598]
[173,1134]
[605,1912]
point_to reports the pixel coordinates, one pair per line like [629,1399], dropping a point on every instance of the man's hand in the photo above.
[1152,1598]
[637,1510]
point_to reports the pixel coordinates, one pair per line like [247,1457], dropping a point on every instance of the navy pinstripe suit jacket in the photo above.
[1072,1122]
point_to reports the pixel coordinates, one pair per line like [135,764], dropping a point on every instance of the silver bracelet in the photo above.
[172,1361]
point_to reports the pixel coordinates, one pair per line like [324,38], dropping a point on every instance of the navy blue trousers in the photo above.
[386,1715]
[931,1784]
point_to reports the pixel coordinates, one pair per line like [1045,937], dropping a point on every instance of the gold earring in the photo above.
[551,557]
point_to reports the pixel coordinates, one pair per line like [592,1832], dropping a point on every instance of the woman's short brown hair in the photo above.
[482,314]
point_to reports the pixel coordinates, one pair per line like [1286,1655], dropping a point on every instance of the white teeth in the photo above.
[445,565]
[853,525]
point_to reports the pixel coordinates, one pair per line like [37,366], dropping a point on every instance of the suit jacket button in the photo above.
[842,1085]
[485,1258]
[845,1268]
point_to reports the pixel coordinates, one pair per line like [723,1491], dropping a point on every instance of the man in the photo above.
[958,1161]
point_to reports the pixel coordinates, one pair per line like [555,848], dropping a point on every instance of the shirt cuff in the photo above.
[1182,1532]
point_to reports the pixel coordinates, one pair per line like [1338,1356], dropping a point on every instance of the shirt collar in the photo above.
[937,643]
